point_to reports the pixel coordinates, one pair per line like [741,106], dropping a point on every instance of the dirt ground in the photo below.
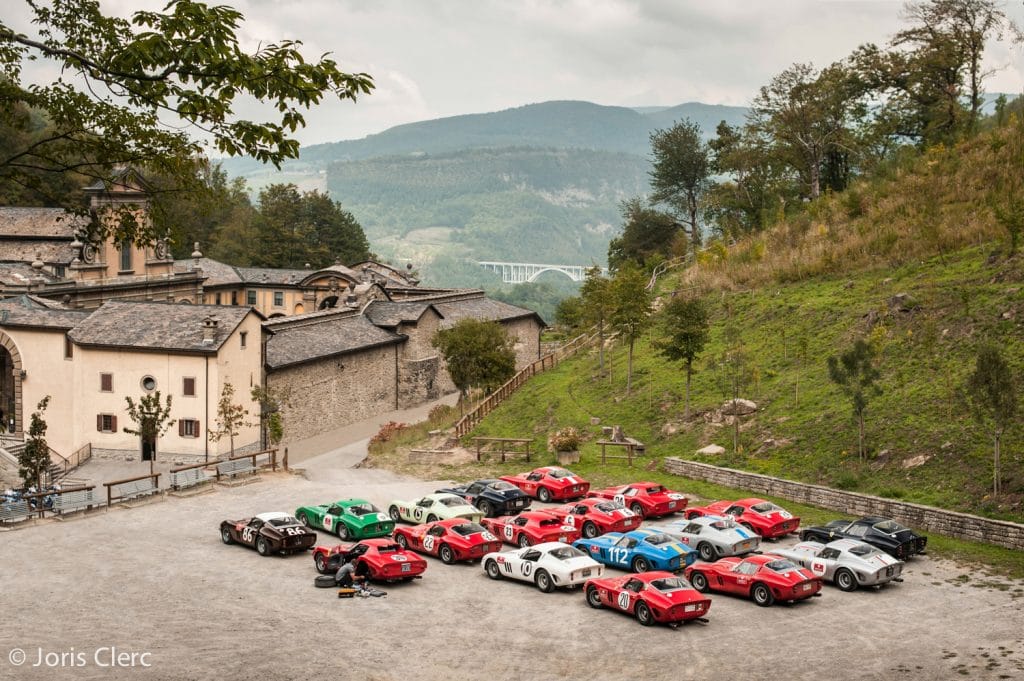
[156,579]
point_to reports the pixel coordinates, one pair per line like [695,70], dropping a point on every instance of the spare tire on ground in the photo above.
[324,582]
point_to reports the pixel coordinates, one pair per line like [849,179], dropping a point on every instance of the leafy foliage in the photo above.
[151,416]
[34,459]
[272,401]
[855,372]
[478,354]
[685,332]
[567,439]
[992,394]
[231,417]
[630,309]
[647,235]
[679,177]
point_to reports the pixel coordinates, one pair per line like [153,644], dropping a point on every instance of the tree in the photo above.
[854,371]
[646,233]
[734,372]
[272,401]
[992,393]
[679,176]
[630,309]
[34,459]
[231,417]
[569,312]
[596,303]
[479,354]
[685,325]
[152,419]
[132,90]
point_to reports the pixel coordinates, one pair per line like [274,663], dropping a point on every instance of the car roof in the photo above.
[273,515]
[846,544]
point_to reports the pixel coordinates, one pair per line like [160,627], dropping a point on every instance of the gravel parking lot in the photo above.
[156,579]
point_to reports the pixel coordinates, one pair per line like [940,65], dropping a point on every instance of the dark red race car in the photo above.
[650,597]
[268,533]
[647,499]
[764,578]
[385,560]
[550,483]
[530,528]
[596,516]
[763,517]
[450,540]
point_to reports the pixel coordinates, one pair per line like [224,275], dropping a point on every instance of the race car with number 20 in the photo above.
[268,533]
[763,578]
[531,527]
[646,499]
[638,551]
[596,516]
[550,483]
[550,566]
[451,540]
[385,560]
[433,507]
[767,519]
[650,597]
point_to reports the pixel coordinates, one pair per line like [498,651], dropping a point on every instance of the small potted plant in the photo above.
[565,443]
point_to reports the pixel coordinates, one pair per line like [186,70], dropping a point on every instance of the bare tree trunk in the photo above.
[629,367]
[689,372]
[996,485]
[600,346]
[862,454]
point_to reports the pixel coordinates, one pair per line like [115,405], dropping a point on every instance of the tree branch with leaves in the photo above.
[152,418]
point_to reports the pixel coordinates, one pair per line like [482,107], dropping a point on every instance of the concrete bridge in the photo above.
[521,272]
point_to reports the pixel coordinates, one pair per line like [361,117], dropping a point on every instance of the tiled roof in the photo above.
[40,222]
[26,310]
[389,315]
[22,274]
[157,326]
[267,275]
[25,250]
[345,333]
[481,308]
[215,272]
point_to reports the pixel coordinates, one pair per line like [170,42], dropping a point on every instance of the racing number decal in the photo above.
[488,536]
[247,534]
[294,531]
[527,568]
[817,568]
[327,522]
[418,513]
[620,498]
[428,542]
[617,555]
[570,521]
[509,532]
[624,600]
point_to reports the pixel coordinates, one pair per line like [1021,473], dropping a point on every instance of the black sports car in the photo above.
[883,533]
[268,533]
[493,497]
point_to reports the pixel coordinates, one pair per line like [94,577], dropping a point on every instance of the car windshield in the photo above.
[765,507]
[548,522]
[863,550]
[452,501]
[466,529]
[670,584]
[389,548]
[283,522]
[723,524]
[558,473]
[781,565]
[657,539]
[889,526]
[657,489]
[502,486]
[565,553]
[609,506]
[363,509]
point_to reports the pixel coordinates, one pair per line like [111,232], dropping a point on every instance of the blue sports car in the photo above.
[638,550]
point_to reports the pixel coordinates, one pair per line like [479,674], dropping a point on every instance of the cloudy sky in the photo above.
[434,58]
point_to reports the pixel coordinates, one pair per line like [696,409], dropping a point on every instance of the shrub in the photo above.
[387,431]
[565,440]
[442,414]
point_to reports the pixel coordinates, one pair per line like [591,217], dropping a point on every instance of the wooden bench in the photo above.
[188,476]
[74,500]
[632,449]
[504,442]
[233,467]
[15,510]
[130,488]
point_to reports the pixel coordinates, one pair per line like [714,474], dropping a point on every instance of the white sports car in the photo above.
[550,566]
[714,536]
[440,506]
[847,563]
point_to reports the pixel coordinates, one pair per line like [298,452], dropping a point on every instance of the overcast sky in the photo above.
[434,58]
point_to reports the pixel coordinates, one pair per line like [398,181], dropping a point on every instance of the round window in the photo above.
[149,384]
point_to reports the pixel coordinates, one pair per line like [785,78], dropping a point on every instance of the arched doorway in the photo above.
[328,302]
[10,384]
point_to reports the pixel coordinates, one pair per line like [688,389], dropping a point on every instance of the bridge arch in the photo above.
[561,270]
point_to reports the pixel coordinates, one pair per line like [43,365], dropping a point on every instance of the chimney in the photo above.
[209,331]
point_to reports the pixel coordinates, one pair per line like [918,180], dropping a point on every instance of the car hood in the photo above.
[368,518]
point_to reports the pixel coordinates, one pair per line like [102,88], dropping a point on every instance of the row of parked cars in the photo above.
[669,568]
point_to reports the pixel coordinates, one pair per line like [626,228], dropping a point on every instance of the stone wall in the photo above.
[420,380]
[526,334]
[925,518]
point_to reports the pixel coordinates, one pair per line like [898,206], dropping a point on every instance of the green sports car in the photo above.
[434,507]
[348,518]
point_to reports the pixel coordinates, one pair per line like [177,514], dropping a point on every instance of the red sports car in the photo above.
[530,528]
[385,559]
[596,516]
[762,577]
[550,483]
[650,596]
[763,517]
[647,499]
[450,540]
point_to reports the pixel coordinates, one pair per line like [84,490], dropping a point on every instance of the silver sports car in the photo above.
[714,536]
[846,562]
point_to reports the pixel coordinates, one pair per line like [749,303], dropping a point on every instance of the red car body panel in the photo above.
[619,520]
[637,496]
[768,525]
[385,560]
[563,488]
[428,538]
[537,526]
[793,585]
[673,606]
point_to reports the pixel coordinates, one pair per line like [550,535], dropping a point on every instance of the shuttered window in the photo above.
[106,423]
[107,383]
[188,427]
[188,386]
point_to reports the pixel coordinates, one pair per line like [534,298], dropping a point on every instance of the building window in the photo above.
[278,299]
[126,257]
[69,347]
[250,297]
[234,297]
[106,383]
[106,423]
[148,383]
[59,271]
[188,427]
[188,386]
[243,335]
[216,299]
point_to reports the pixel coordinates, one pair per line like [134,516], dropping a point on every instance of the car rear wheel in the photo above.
[806,536]
[524,541]
[493,571]
[750,527]
[543,494]
[641,564]
[394,514]
[593,597]
[699,581]
[446,554]
[845,580]
[486,508]
[401,540]
[643,614]
[320,563]
[431,518]
[637,508]
[303,519]
[342,530]
[324,581]
[692,514]
[225,536]
[590,530]
[262,546]
[706,550]
[762,595]
[543,581]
